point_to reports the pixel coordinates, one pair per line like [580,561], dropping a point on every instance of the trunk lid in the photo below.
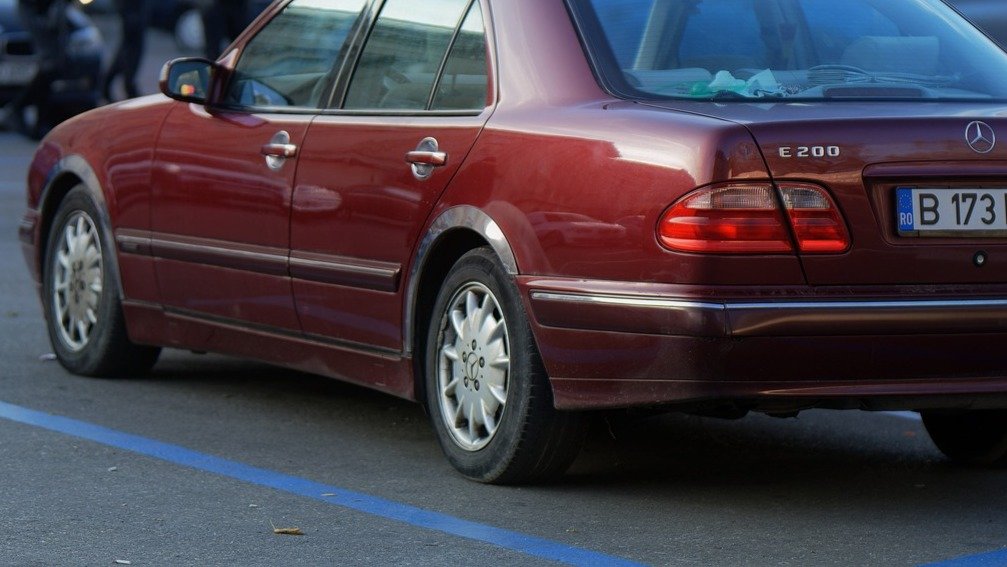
[863,153]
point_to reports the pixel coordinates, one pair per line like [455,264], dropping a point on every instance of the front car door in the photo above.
[420,83]
[224,173]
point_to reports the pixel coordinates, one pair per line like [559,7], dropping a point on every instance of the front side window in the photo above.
[790,49]
[291,62]
[403,55]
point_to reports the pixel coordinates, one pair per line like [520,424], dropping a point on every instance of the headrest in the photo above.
[916,55]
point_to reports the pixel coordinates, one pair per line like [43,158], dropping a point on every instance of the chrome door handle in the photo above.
[425,158]
[436,159]
[278,150]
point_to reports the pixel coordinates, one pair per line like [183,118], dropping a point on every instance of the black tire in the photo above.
[973,437]
[83,288]
[530,441]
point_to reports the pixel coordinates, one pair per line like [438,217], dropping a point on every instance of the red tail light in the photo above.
[747,219]
[817,223]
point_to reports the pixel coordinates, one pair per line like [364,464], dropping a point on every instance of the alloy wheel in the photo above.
[77,281]
[473,366]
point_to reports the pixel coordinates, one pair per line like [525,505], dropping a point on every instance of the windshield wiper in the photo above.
[728,95]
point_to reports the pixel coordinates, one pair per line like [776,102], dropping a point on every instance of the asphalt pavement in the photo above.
[198,462]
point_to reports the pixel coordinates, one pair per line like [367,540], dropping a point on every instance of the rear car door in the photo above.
[224,173]
[420,84]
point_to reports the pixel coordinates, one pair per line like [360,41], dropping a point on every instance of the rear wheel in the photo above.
[81,301]
[487,391]
[974,437]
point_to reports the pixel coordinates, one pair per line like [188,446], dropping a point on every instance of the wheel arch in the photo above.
[455,232]
[70,172]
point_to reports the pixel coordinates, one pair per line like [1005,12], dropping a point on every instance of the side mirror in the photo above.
[188,79]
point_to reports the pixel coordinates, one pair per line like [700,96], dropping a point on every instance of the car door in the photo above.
[420,85]
[224,173]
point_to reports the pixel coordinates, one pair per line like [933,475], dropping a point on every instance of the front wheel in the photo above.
[972,437]
[487,391]
[80,297]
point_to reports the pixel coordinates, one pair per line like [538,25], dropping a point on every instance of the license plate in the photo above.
[17,72]
[922,211]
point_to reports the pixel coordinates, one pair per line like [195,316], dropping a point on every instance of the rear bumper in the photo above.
[641,314]
[607,347]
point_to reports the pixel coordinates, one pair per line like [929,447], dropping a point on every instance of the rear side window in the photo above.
[404,54]
[463,84]
[291,61]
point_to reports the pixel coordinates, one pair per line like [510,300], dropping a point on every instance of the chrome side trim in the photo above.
[460,217]
[220,254]
[133,242]
[782,305]
[355,269]
[849,305]
[337,270]
[645,302]
[321,268]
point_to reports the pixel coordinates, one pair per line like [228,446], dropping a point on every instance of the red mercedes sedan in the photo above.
[519,212]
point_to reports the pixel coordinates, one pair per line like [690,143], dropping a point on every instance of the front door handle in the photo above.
[278,150]
[425,158]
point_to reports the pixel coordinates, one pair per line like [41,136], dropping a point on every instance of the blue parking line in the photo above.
[513,541]
[991,559]
[988,559]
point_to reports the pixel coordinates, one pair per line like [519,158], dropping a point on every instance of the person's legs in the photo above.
[134,35]
[213,30]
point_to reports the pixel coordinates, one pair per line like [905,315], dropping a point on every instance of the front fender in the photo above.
[66,174]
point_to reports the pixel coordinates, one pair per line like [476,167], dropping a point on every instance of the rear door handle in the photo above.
[425,158]
[436,159]
[280,150]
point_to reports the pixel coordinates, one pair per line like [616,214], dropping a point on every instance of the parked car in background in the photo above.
[989,15]
[76,87]
[517,212]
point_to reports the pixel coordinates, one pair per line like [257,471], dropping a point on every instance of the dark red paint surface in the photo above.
[576,181]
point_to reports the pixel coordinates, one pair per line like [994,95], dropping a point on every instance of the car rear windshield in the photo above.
[789,49]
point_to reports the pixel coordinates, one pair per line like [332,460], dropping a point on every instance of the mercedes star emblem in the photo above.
[981,137]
